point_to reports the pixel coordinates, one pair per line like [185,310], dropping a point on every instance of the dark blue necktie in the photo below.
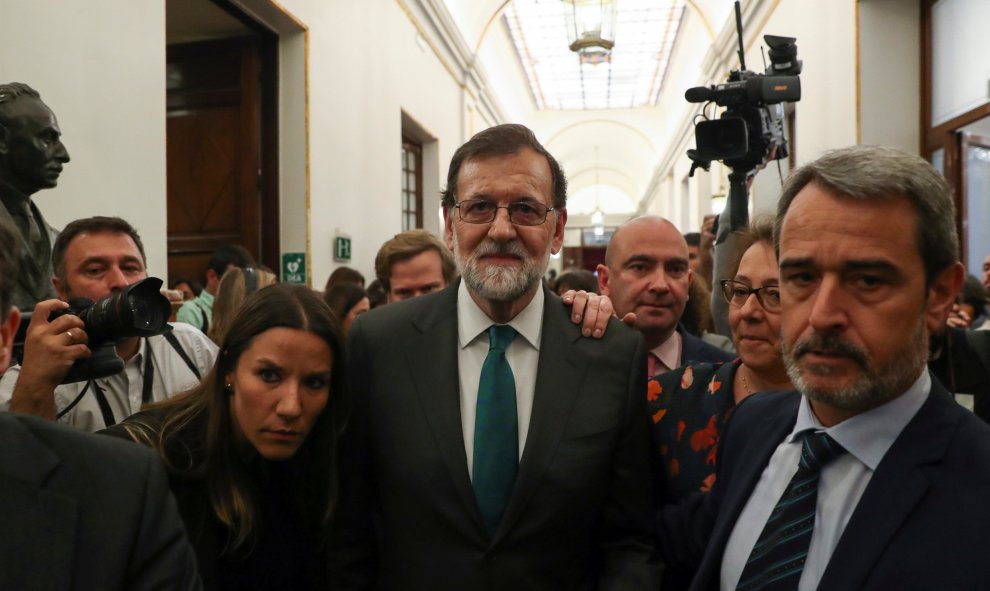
[496,432]
[778,557]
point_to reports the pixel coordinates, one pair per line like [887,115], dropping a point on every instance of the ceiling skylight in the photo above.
[645,31]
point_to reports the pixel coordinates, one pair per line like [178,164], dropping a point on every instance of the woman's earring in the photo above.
[229,387]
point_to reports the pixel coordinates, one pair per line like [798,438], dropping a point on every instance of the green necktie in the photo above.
[496,432]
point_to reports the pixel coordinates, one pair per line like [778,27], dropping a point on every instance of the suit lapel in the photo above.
[759,445]
[896,487]
[38,522]
[435,346]
[558,383]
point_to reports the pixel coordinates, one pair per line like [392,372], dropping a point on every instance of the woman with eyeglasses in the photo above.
[690,404]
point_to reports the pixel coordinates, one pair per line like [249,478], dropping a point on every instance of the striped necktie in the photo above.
[496,430]
[779,554]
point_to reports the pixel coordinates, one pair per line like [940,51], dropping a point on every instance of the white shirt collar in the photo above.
[869,435]
[472,320]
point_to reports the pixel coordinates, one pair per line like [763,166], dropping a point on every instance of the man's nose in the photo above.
[658,281]
[116,279]
[828,309]
[502,229]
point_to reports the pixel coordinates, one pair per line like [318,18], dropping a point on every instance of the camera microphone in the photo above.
[699,94]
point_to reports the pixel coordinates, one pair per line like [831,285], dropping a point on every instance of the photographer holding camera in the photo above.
[94,258]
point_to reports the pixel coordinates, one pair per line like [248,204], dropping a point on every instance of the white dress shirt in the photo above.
[124,390]
[866,437]
[523,355]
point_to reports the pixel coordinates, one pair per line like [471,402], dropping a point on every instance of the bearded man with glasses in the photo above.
[490,446]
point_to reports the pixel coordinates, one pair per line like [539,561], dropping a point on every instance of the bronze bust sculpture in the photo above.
[31,159]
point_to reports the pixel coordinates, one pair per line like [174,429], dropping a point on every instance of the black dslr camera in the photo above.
[138,310]
[753,121]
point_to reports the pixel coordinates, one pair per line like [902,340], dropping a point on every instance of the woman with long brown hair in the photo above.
[251,452]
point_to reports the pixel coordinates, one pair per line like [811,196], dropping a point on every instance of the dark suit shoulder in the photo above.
[558,314]
[399,314]
[971,436]
[695,350]
[777,405]
[75,445]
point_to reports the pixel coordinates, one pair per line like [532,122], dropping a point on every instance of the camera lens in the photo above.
[145,313]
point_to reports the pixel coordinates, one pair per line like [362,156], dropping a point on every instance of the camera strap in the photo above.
[148,387]
[105,410]
[101,400]
[75,401]
[148,374]
[172,340]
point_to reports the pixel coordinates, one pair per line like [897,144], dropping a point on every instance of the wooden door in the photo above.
[216,193]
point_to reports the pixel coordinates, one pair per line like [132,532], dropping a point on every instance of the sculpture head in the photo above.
[31,150]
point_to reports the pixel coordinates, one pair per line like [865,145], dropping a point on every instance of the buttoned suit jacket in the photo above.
[921,522]
[579,515]
[34,276]
[80,511]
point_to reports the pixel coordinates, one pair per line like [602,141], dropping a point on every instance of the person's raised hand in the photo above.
[50,349]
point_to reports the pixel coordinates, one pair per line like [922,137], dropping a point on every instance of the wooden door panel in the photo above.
[202,162]
[213,146]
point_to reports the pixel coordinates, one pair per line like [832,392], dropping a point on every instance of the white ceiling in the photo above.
[631,77]
[629,141]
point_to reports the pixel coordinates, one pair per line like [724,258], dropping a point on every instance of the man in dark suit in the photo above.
[80,511]
[493,446]
[647,274]
[871,477]
[31,159]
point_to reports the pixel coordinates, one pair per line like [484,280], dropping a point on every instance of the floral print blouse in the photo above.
[688,407]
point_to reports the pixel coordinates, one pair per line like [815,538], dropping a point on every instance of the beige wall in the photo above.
[100,66]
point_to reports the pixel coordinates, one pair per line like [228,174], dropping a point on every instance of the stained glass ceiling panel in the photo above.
[645,31]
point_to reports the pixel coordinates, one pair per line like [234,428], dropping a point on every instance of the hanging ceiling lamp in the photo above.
[591,29]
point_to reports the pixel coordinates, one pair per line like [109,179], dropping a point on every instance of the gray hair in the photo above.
[878,172]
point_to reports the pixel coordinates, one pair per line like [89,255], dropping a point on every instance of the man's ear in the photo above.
[7,331]
[557,242]
[602,279]
[60,289]
[942,294]
[448,227]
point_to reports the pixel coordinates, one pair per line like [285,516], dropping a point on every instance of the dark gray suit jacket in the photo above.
[921,522]
[78,511]
[579,516]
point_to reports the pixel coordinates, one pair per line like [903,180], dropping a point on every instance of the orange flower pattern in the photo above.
[653,391]
[689,407]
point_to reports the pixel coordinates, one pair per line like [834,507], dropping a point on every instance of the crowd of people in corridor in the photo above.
[461,426]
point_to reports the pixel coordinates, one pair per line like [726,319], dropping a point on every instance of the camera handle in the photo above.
[734,217]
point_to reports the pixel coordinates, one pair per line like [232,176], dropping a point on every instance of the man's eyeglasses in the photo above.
[736,293]
[521,213]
